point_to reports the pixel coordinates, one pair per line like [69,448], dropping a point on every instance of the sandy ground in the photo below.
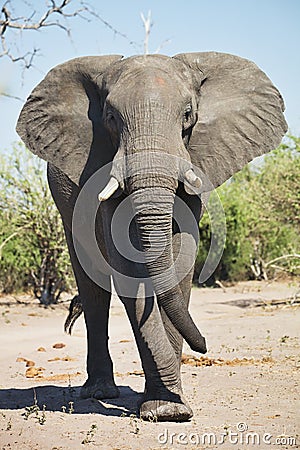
[245,393]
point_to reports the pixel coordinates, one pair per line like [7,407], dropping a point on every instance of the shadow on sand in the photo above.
[57,398]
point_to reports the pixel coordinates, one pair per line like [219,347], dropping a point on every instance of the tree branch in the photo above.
[20,230]
[4,94]
[147,25]
[162,45]
[10,23]
[280,258]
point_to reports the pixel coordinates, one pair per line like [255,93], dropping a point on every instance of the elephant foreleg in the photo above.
[163,398]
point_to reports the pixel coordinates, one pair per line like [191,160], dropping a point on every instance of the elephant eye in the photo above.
[187,117]
[188,112]
[110,116]
[110,120]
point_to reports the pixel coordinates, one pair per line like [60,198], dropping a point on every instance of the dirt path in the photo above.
[245,392]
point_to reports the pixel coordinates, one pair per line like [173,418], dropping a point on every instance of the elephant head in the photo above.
[212,111]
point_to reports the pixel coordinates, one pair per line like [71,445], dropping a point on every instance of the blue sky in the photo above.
[264,31]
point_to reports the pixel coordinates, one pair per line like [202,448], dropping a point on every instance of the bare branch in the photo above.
[281,258]
[93,13]
[4,94]
[147,25]
[10,23]
[56,9]
[27,24]
[162,45]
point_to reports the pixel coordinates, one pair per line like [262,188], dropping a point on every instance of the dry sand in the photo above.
[245,392]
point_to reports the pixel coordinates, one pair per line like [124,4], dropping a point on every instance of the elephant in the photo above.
[149,132]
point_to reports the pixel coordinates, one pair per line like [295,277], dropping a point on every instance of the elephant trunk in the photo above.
[154,210]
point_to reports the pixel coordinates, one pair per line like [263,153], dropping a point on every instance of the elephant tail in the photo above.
[75,310]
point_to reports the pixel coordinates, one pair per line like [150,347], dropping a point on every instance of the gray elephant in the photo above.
[169,129]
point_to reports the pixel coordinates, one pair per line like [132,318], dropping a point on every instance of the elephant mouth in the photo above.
[147,169]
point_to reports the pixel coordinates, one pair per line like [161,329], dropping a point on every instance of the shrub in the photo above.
[262,207]
[33,253]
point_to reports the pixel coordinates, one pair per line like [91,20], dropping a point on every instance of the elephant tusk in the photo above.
[192,183]
[109,189]
[192,179]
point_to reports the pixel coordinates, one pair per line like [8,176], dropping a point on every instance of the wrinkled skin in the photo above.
[134,110]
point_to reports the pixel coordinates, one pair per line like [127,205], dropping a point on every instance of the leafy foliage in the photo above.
[33,252]
[262,207]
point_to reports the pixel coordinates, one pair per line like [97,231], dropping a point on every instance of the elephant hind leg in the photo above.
[94,301]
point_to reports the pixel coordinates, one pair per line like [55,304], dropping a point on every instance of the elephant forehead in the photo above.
[145,76]
[147,70]
[159,80]
[151,88]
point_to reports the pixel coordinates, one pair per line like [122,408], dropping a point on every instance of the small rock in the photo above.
[20,359]
[32,372]
[30,363]
[59,345]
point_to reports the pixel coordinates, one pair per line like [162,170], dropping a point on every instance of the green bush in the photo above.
[262,207]
[33,253]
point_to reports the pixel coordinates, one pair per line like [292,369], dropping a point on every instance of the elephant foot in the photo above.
[169,407]
[100,388]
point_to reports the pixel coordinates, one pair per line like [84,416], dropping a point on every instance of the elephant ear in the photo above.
[239,114]
[61,121]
